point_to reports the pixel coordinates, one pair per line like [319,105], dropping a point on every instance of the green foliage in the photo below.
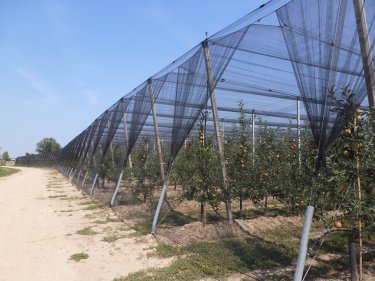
[240,159]
[146,168]
[274,169]
[5,156]
[47,145]
[7,171]
[350,166]
[109,168]
[198,170]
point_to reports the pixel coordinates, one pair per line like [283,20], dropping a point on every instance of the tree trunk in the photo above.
[353,258]
[266,205]
[293,205]
[203,213]
[241,208]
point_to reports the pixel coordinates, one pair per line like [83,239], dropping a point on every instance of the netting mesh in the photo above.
[323,45]
[284,52]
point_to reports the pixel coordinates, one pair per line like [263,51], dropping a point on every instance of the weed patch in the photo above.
[108,220]
[215,259]
[94,206]
[86,231]
[110,238]
[79,256]
[57,196]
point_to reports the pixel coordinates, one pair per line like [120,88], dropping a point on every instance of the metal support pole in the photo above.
[116,190]
[368,67]
[93,184]
[223,129]
[253,133]
[303,243]
[127,144]
[84,179]
[72,176]
[70,172]
[158,208]
[299,131]
[79,175]
[156,128]
[215,115]
[160,154]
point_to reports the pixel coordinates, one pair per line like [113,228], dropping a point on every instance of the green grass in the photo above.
[167,251]
[7,171]
[285,236]
[183,269]
[93,206]
[86,231]
[110,238]
[79,256]
[141,229]
[176,218]
[216,260]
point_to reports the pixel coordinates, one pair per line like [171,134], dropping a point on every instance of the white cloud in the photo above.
[32,79]
[48,94]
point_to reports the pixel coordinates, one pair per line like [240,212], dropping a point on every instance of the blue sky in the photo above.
[62,63]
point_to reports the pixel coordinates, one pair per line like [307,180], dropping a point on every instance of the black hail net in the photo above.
[323,45]
[191,85]
[284,50]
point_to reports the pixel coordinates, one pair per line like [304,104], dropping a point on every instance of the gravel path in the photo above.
[40,214]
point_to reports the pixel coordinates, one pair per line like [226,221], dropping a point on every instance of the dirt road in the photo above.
[40,214]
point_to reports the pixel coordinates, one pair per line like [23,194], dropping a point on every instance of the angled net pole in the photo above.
[156,128]
[79,175]
[253,133]
[100,158]
[116,190]
[304,243]
[368,67]
[72,176]
[163,193]
[211,88]
[223,128]
[127,145]
[84,179]
[299,131]
[94,183]
[70,171]
[127,156]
